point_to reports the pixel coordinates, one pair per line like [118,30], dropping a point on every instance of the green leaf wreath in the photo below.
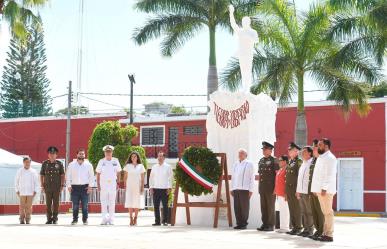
[206,162]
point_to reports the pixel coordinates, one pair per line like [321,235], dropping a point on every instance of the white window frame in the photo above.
[361,177]
[152,126]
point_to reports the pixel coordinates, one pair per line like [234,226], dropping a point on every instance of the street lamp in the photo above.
[132,81]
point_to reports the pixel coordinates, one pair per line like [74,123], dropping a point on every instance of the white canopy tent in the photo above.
[9,164]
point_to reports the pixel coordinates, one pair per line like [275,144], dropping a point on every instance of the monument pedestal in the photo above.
[235,120]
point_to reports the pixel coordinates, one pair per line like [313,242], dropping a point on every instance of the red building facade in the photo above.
[359,143]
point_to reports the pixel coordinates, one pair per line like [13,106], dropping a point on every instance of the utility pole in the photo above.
[68,127]
[132,81]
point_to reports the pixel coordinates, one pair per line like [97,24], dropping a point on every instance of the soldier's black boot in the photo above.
[268,229]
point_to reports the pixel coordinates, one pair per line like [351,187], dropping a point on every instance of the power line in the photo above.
[58,96]
[106,103]
[147,95]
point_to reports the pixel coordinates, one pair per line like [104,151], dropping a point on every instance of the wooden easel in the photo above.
[217,204]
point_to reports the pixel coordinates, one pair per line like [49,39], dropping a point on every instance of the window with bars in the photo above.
[152,135]
[193,130]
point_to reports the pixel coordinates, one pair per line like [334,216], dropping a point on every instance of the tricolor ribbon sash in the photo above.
[197,176]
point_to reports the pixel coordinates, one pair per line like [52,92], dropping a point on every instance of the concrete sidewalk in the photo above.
[350,233]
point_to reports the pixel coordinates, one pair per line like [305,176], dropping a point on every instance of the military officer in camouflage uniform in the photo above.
[291,187]
[52,178]
[318,217]
[267,168]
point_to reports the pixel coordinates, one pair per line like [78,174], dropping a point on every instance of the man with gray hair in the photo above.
[242,185]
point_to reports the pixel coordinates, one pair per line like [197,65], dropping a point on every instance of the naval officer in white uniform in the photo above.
[108,177]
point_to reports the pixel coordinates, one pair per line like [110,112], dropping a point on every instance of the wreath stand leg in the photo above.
[217,204]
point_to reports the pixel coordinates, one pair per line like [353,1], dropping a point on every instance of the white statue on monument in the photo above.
[247,37]
[237,120]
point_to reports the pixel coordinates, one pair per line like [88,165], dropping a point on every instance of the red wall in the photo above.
[34,137]
[366,135]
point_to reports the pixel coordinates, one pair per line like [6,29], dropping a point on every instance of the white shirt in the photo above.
[243,176]
[108,170]
[303,177]
[324,175]
[161,176]
[26,182]
[79,174]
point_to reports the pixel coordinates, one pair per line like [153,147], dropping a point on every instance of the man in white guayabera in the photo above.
[247,37]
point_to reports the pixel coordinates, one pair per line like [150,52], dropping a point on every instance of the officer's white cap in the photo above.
[108,147]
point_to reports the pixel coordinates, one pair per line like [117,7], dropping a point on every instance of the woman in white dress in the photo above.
[134,185]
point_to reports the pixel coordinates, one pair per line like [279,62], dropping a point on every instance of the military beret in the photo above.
[52,150]
[108,147]
[266,145]
[292,145]
[284,158]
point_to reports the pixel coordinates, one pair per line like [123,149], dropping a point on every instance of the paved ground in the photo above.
[350,233]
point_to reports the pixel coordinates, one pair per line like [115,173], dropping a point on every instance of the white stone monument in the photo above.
[236,120]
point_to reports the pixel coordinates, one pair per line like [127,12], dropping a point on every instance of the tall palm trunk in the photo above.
[301,131]
[212,79]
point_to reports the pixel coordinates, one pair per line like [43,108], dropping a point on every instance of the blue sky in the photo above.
[109,55]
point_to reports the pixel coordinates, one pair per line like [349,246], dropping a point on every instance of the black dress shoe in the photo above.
[237,227]
[268,229]
[55,222]
[48,222]
[290,232]
[156,224]
[315,236]
[294,232]
[243,227]
[22,222]
[262,228]
[74,222]
[304,234]
[326,239]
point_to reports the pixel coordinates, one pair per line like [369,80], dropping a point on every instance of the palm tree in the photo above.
[19,13]
[180,20]
[362,26]
[295,46]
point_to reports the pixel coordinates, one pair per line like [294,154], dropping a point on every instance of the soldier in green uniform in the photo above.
[318,217]
[291,187]
[267,168]
[52,178]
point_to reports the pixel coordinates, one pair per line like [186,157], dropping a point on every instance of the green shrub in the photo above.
[111,132]
[122,152]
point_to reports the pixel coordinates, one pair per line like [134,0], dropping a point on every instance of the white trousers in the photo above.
[284,213]
[108,205]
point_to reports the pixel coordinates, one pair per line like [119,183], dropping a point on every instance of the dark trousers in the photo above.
[306,213]
[241,206]
[318,217]
[79,194]
[268,209]
[160,195]
[294,211]
[52,203]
